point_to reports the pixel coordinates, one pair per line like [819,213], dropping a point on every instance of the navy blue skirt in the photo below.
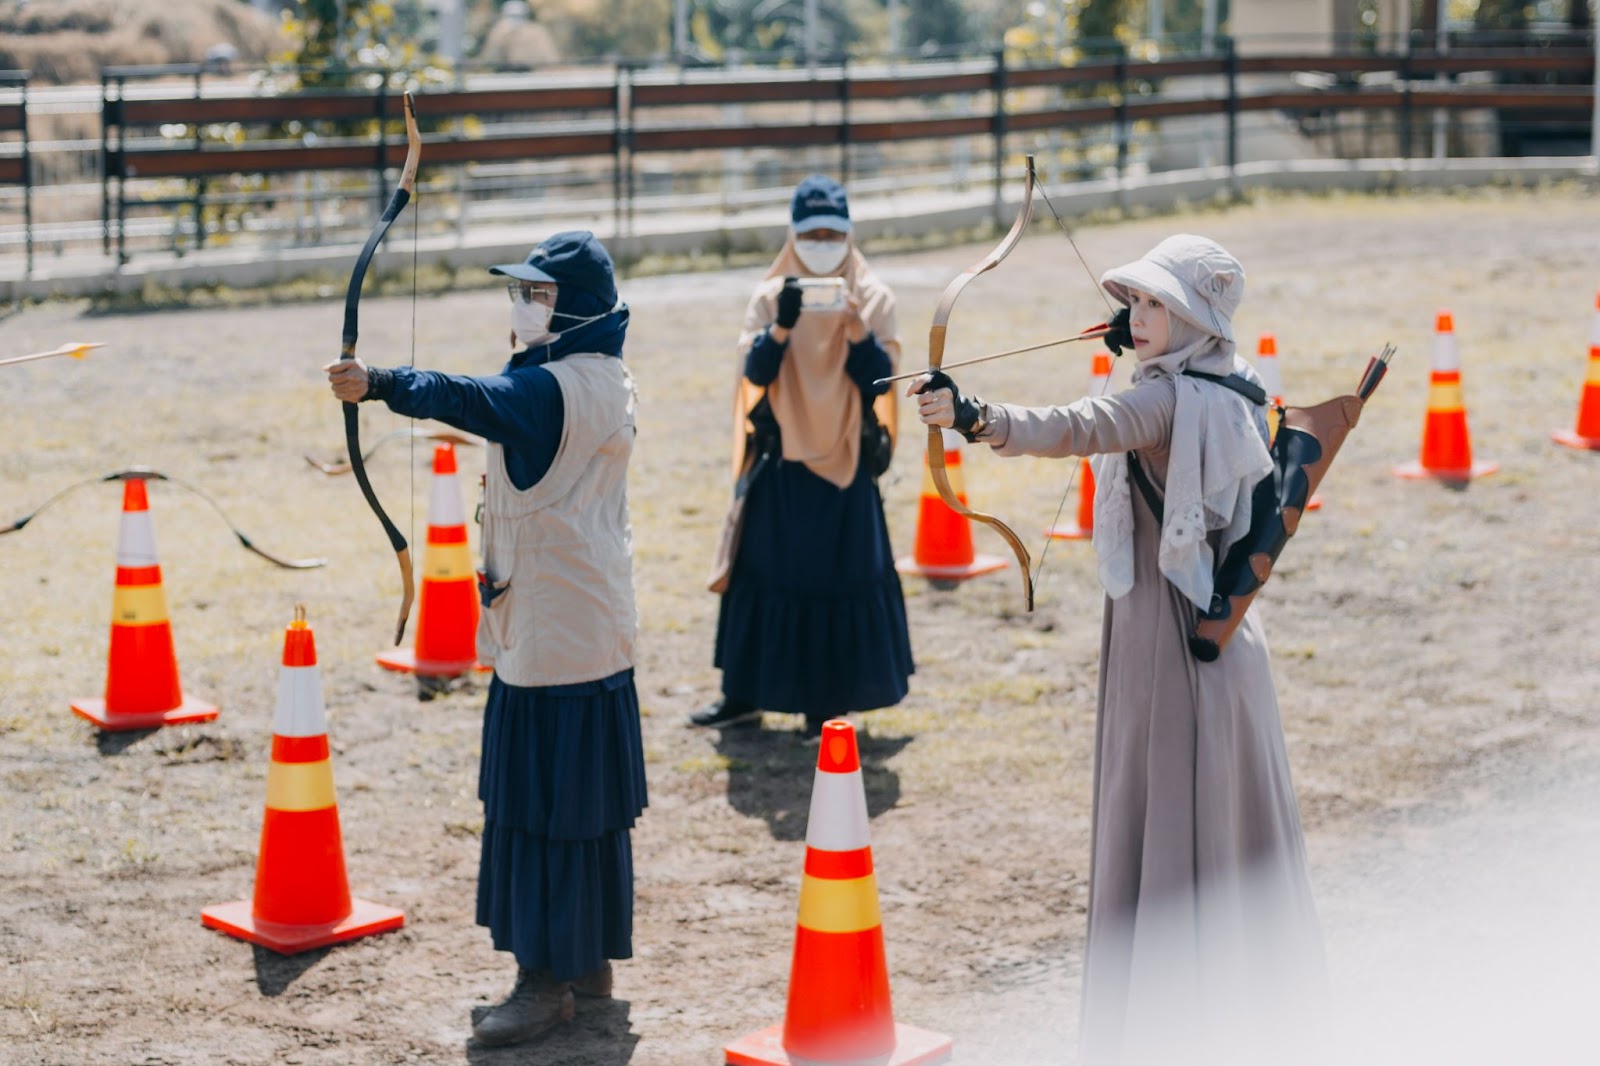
[814,621]
[561,778]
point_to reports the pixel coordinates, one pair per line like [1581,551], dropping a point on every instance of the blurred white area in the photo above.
[1467,934]
[1476,939]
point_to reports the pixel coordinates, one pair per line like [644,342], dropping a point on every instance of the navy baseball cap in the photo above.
[819,203]
[575,258]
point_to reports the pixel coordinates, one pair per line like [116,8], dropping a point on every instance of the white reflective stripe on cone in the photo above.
[300,712]
[444,502]
[838,818]
[1445,356]
[1267,367]
[136,540]
[952,440]
[1594,329]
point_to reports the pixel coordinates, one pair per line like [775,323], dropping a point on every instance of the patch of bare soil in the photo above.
[1430,645]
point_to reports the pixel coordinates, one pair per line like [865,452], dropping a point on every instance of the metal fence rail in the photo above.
[188,157]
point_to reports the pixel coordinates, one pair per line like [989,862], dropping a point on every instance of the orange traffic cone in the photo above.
[1272,381]
[839,1009]
[447,610]
[943,552]
[1446,445]
[142,689]
[1083,528]
[1587,432]
[302,899]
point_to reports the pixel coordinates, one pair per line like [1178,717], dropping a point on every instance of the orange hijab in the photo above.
[817,406]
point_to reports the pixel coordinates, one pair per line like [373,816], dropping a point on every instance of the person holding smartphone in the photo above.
[812,620]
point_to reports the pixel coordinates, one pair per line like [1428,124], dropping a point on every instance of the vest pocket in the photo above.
[494,618]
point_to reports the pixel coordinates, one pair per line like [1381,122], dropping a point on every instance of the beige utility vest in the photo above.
[560,554]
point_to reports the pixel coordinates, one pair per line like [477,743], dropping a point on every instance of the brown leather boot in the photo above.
[595,985]
[538,1003]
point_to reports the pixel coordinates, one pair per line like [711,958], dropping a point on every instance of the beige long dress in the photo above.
[1203,943]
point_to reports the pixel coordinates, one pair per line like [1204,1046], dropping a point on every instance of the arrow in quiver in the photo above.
[1307,440]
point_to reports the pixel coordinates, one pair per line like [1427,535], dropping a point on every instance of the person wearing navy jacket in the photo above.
[561,774]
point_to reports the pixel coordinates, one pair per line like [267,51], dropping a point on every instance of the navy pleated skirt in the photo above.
[814,621]
[561,778]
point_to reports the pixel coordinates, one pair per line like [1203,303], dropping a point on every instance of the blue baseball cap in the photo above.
[573,258]
[819,203]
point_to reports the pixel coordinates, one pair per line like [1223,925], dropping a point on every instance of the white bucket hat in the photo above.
[1194,277]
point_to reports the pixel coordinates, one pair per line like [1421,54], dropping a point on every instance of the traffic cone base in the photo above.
[404,661]
[1572,440]
[1069,532]
[189,711]
[1415,471]
[981,564]
[365,918]
[912,1047]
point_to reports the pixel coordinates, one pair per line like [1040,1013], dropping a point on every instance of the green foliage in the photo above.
[328,45]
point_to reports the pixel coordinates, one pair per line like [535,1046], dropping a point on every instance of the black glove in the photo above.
[1120,335]
[966,410]
[788,303]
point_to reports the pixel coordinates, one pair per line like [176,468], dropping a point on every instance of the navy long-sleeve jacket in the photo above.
[520,408]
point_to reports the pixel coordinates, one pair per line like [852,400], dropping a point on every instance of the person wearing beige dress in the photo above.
[1203,943]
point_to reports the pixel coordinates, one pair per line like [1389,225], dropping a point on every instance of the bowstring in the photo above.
[1105,383]
[1038,571]
[411,459]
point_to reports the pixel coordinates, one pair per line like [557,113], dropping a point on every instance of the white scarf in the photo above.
[1217,454]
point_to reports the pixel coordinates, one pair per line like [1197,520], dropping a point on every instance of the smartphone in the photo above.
[821,295]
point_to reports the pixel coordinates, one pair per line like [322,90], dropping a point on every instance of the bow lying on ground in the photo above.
[334,467]
[145,473]
[347,350]
[76,350]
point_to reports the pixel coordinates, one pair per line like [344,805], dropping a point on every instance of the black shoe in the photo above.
[723,712]
[537,1004]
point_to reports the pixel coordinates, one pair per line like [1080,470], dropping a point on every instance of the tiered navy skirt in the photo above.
[814,621]
[562,782]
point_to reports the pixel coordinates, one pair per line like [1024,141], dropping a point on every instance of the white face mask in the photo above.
[821,257]
[531,323]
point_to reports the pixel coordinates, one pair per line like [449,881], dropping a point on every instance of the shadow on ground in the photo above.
[770,774]
[275,973]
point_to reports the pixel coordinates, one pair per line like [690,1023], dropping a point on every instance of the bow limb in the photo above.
[936,339]
[347,350]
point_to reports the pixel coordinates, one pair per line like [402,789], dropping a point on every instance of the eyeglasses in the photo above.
[521,292]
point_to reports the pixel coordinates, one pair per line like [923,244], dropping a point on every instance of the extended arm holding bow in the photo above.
[145,473]
[347,350]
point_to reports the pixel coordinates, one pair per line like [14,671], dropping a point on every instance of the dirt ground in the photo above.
[1432,648]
